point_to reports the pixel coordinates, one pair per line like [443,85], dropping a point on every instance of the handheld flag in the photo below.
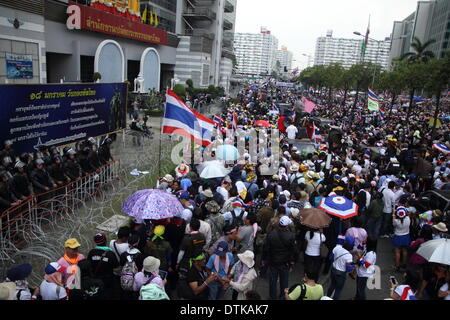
[235,121]
[382,113]
[317,137]
[182,120]
[218,120]
[309,105]
[373,103]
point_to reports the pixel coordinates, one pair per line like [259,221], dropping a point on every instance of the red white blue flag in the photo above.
[317,137]
[182,120]
[235,121]
[218,120]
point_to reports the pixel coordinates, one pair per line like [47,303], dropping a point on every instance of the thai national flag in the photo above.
[218,120]
[317,137]
[238,202]
[182,120]
[341,92]
[382,113]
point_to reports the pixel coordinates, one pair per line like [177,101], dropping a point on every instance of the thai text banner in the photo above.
[55,115]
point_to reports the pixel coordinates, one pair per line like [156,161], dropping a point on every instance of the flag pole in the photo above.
[160,140]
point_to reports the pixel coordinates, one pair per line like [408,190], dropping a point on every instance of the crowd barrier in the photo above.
[36,209]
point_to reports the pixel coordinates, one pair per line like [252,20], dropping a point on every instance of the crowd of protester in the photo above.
[246,227]
[34,174]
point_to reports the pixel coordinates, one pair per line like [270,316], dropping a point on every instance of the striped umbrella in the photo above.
[442,148]
[339,206]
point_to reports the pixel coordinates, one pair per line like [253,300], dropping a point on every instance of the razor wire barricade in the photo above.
[18,222]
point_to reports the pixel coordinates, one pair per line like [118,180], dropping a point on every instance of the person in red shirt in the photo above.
[281,126]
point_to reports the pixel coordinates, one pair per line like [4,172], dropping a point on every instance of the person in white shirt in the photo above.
[343,263]
[223,190]
[388,210]
[291,131]
[401,240]
[365,268]
[120,245]
[313,260]
[407,290]
[205,229]
[52,287]
[188,207]
[444,291]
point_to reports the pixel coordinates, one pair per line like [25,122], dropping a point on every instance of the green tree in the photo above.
[421,52]
[414,75]
[393,82]
[362,75]
[180,91]
[438,80]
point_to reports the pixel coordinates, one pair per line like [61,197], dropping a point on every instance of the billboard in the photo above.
[88,18]
[19,66]
[55,115]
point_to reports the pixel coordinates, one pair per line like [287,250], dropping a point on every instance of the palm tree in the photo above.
[421,51]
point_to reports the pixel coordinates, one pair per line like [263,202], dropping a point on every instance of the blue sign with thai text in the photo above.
[56,115]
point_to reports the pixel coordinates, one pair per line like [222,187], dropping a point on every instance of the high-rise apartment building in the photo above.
[431,20]
[205,52]
[256,53]
[348,51]
[285,57]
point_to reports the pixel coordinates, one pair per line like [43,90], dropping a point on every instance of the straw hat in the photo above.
[441,227]
[7,291]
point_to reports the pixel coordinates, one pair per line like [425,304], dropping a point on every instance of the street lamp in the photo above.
[307,55]
[378,51]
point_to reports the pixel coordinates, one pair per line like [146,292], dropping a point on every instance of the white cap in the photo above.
[285,221]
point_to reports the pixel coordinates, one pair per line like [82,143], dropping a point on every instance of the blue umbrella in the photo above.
[339,206]
[227,152]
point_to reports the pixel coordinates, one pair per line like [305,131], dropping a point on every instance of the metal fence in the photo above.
[20,222]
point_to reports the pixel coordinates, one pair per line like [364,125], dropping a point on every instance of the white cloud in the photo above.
[298,23]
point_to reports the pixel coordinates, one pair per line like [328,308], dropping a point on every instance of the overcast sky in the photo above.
[298,23]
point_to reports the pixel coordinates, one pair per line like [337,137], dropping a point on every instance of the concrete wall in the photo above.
[61,40]
[28,39]
[192,65]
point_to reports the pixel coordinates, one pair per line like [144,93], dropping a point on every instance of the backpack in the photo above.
[218,198]
[152,291]
[238,221]
[314,194]
[303,287]
[129,271]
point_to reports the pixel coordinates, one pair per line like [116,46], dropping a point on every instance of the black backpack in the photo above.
[313,195]
[303,287]
[238,221]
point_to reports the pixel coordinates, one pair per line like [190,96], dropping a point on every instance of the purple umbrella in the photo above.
[153,205]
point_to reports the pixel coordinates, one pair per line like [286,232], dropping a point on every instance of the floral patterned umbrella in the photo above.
[152,204]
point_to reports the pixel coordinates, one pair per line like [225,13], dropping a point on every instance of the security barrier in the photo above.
[38,209]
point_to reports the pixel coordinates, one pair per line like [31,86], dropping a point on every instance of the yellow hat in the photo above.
[72,243]
[159,230]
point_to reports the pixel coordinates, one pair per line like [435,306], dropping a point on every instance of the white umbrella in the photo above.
[437,251]
[214,170]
